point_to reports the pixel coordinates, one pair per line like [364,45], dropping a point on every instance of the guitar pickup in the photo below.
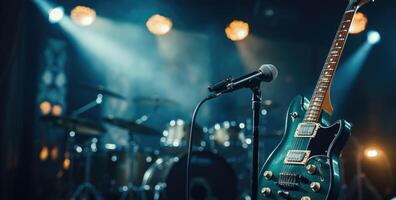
[308,130]
[297,157]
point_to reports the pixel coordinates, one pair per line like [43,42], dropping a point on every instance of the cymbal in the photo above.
[132,126]
[80,125]
[102,90]
[155,101]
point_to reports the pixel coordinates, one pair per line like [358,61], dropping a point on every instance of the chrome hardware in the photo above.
[298,157]
[283,194]
[311,169]
[307,130]
[289,181]
[266,191]
[305,198]
[315,186]
[268,175]
[294,115]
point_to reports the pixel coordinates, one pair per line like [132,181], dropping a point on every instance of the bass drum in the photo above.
[211,178]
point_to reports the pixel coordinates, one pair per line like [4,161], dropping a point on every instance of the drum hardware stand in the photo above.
[158,190]
[68,149]
[131,188]
[98,100]
[70,140]
[256,106]
[360,180]
[87,186]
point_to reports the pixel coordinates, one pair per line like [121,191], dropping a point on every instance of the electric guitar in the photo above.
[305,164]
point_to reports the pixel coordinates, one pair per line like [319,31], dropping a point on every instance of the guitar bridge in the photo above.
[307,130]
[288,181]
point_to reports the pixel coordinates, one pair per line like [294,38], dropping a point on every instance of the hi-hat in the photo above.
[102,90]
[79,125]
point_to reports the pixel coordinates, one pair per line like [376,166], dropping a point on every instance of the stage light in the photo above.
[55,14]
[268,102]
[44,153]
[45,107]
[83,15]
[54,153]
[372,152]
[159,25]
[237,30]
[66,163]
[57,110]
[359,23]
[110,146]
[373,37]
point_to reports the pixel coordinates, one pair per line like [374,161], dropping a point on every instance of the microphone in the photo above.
[266,73]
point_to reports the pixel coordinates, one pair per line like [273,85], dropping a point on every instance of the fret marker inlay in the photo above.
[326,76]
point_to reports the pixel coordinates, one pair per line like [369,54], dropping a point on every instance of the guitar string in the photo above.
[302,143]
[318,112]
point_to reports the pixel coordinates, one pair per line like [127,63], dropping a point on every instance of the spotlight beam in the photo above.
[348,72]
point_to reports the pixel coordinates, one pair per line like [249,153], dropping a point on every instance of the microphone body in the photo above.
[266,73]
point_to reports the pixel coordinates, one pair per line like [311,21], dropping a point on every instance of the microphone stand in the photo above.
[256,106]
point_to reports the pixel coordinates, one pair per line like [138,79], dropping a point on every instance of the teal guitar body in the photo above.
[282,181]
[305,165]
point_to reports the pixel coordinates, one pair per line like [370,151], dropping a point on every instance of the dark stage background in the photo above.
[118,52]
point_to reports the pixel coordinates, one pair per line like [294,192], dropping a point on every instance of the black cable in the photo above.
[211,96]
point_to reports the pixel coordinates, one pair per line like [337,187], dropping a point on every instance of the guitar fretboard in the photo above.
[330,66]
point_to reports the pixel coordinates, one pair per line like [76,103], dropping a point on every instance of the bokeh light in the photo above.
[55,14]
[45,107]
[66,163]
[159,25]
[237,30]
[44,153]
[373,37]
[57,110]
[54,153]
[83,15]
[359,23]
[372,152]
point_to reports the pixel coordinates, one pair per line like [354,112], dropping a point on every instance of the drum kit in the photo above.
[100,170]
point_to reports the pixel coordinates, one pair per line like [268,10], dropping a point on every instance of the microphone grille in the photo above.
[269,69]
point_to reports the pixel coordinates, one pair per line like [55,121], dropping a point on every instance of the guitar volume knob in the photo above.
[266,191]
[268,175]
[305,198]
[315,186]
[311,169]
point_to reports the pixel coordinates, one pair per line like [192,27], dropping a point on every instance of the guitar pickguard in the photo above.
[321,142]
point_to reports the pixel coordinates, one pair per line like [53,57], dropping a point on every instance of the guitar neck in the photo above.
[330,66]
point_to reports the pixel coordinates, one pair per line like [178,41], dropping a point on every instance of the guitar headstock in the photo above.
[360,3]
